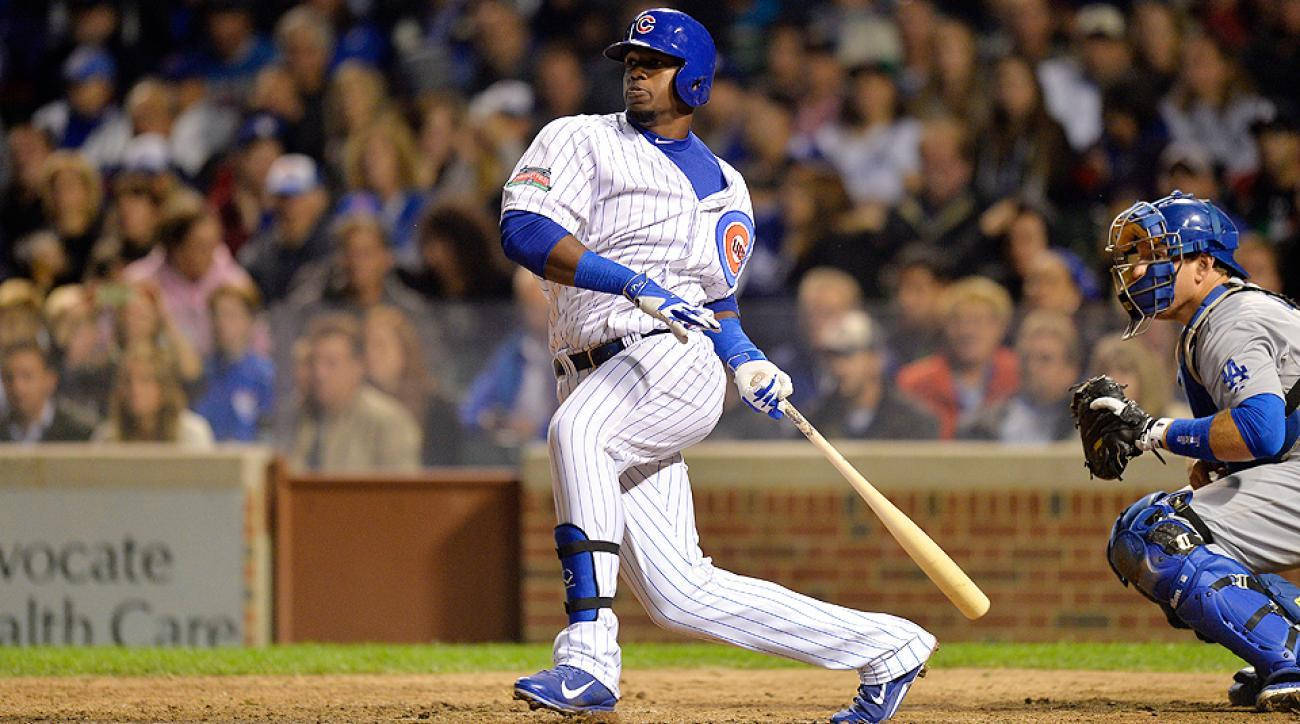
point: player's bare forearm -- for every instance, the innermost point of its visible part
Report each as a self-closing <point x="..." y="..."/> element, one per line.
<point x="562" y="262"/>
<point x="1226" y="440"/>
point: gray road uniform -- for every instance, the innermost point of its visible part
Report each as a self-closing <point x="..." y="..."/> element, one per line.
<point x="1241" y="343"/>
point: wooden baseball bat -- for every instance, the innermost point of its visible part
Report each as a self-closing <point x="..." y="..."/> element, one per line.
<point x="942" y="570"/>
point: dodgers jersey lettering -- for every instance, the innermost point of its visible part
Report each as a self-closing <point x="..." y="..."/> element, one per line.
<point x="623" y="198"/>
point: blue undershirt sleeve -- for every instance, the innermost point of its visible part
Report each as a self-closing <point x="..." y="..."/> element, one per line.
<point x="731" y="343"/>
<point x="1261" y="420"/>
<point x="528" y="238"/>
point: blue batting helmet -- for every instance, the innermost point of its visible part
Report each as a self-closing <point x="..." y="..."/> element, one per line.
<point x="673" y="32"/>
<point x="1157" y="234"/>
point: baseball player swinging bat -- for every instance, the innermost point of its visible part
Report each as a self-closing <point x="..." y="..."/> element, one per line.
<point x="941" y="569"/>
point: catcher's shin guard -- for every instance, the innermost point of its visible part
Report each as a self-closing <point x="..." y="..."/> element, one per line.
<point x="1159" y="546"/>
<point x="577" y="557"/>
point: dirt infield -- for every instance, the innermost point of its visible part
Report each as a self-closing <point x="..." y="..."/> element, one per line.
<point x="946" y="695"/>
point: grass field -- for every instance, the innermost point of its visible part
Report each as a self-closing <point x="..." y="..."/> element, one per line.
<point x="469" y="658"/>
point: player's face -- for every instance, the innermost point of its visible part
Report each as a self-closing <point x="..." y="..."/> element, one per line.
<point x="648" y="81"/>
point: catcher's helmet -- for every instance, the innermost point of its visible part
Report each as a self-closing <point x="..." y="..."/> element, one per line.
<point x="1157" y="234"/>
<point x="674" y="33"/>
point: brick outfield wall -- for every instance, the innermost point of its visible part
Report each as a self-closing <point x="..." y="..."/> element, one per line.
<point x="1027" y="525"/>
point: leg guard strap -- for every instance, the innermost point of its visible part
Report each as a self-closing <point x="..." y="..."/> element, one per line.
<point x="577" y="558"/>
<point x="587" y="604"/>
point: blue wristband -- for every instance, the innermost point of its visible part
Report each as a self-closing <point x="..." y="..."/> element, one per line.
<point x="599" y="274"/>
<point x="732" y="344"/>
<point x="1190" y="437"/>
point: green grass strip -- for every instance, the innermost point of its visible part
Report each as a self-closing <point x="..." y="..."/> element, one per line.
<point x="447" y="658"/>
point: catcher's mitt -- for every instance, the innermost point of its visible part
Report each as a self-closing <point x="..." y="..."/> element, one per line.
<point x="1110" y="434"/>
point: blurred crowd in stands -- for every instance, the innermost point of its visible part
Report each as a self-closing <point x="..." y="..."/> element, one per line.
<point x="223" y="220"/>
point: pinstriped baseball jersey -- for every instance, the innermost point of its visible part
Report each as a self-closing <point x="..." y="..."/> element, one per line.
<point x="607" y="184"/>
<point x="616" y="439"/>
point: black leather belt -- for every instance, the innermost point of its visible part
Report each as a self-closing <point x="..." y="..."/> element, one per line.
<point x="598" y="355"/>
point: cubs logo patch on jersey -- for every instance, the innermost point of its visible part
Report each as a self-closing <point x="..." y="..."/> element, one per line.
<point x="735" y="234"/>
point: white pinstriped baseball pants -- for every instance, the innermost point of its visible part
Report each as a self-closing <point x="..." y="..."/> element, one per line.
<point x="618" y="474"/>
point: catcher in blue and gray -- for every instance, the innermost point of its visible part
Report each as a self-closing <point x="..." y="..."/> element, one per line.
<point x="1208" y="554"/>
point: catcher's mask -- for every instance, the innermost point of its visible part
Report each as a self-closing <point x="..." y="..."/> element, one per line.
<point x="1143" y="251"/>
<point x="1148" y="238"/>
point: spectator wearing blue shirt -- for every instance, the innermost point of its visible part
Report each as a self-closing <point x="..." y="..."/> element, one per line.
<point x="238" y="396"/>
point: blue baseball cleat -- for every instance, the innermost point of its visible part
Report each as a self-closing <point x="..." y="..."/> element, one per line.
<point x="878" y="702"/>
<point x="566" y="689"/>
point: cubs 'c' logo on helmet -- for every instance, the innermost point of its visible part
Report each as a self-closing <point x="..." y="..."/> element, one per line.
<point x="645" y="23"/>
<point x="735" y="234"/>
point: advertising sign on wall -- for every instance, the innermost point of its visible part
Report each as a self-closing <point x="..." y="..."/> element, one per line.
<point x="127" y="550"/>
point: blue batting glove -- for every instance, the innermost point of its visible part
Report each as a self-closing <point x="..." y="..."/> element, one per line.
<point x="680" y="316"/>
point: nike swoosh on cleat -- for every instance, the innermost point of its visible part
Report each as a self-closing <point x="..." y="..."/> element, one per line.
<point x="571" y="693"/>
<point x="879" y="700"/>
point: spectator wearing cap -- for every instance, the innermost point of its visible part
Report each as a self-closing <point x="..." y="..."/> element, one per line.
<point x="235" y="53"/>
<point x="298" y="234"/>
<point x="1050" y="360"/>
<point x="1073" y="84"/>
<point x="502" y="118"/>
<point x="973" y="373"/>
<point x="187" y="265"/>
<point x="72" y="195"/>
<point x="86" y="119"/>
<point x="1187" y="167"/>
<point x="1213" y="107"/>
<point x="148" y="158"/>
<point x="35" y="414"/>
<point x="347" y="425"/>
<point x="875" y="147"/>
<point x="380" y="162"/>
<point x="238" y="381"/>
<point x="862" y="405"/>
